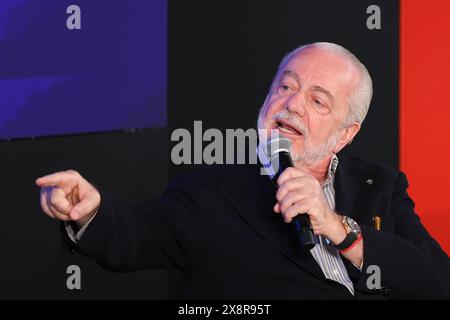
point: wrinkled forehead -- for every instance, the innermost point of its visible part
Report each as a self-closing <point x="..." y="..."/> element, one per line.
<point x="324" y="68"/>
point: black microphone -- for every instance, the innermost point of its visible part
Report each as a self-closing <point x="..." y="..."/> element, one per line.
<point x="279" y="152"/>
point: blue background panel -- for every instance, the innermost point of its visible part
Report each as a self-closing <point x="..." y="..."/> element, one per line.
<point x="109" y="75"/>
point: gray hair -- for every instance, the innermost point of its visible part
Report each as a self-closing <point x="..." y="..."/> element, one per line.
<point x="361" y="95"/>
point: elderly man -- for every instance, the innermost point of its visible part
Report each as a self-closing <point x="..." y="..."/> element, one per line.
<point x="228" y="231"/>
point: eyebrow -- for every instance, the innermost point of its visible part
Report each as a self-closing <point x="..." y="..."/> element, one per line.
<point x="324" y="91"/>
<point x="291" y="74"/>
<point x="294" y="75"/>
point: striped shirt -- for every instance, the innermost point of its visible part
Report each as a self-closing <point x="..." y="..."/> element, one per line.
<point x="326" y="256"/>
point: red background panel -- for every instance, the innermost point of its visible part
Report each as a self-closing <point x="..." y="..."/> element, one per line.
<point x="425" y="111"/>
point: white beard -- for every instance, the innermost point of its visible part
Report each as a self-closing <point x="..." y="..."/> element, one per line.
<point x="314" y="154"/>
<point x="311" y="154"/>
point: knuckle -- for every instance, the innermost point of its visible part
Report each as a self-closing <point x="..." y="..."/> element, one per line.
<point x="96" y="197"/>
<point x="278" y="197"/>
<point x="289" y="183"/>
<point x="290" y="170"/>
<point x="309" y="180"/>
<point x="283" y="206"/>
<point x="73" y="173"/>
<point x="279" y="194"/>
<point x="288" y="199"/>
<point x="288" y="186"/>
<point x="280" y="179"/>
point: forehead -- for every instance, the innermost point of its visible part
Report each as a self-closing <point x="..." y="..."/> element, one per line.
<point x="320" y="67"/>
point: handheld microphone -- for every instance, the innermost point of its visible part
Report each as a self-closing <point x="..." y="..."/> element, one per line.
<point x="279" y="154"/>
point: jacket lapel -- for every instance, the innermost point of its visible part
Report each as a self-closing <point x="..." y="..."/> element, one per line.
<point x="253" y="197"/>
<point x="354" y="188"/>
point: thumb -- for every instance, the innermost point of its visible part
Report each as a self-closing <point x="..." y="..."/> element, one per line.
<point x="86" y="207"/>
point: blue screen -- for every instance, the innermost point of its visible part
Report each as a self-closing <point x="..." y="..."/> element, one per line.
<point x="100" y="68"/>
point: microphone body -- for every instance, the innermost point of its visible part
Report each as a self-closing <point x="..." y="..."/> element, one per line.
<point x="281" y="160"/>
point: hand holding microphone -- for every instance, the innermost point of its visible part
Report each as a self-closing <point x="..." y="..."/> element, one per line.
<point x="300" y="197"/>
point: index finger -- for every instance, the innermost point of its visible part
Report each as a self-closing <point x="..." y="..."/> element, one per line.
<point x="58" y="179"/>
<point x="290" y="173"/>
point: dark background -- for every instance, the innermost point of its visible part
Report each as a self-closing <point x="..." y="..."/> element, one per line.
<point x="222" y="58"/>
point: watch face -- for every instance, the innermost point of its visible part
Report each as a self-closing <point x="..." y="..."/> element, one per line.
<point x="353" y="225"/>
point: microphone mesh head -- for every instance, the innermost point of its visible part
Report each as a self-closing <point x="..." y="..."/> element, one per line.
<point x="277" y="145"/>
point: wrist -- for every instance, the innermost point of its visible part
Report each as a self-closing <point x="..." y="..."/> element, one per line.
<point x="354" y="244"/>
<point x="353" y="235"/>
<point x="335" y="231"/>
<point x="80" y="223"/>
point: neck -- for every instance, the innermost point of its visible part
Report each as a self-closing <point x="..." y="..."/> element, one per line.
<point x="318" y="169"/>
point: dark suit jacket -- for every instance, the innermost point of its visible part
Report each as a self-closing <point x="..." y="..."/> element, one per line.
<point x="218" y="228"/>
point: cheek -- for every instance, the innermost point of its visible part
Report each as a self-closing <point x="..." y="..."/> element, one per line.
<point x="273" y="106"/>
<point x="319" y="128"/>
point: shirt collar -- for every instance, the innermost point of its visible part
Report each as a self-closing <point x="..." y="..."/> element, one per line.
<point x="270" y="172"/>
<point x="331" y="170"/>
<point x="333" y="166"/>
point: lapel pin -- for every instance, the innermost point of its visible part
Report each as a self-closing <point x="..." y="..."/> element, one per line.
<point x="369" y="181"/>
<point x="377" y="222"/>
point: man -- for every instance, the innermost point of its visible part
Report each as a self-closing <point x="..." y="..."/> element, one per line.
<point x="228" y="231"/>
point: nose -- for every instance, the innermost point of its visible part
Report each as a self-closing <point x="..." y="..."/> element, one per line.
<point x="296" y="103"/>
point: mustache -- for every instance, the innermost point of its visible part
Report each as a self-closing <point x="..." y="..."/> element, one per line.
<point x="293" y="119"/>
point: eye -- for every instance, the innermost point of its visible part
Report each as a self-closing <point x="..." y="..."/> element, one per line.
<point x="318" y="103"/>
<point x="320" y="106"/>
<point x="284" y="88"/>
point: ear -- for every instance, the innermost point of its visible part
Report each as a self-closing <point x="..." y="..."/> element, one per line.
<point x="347" y="136"/>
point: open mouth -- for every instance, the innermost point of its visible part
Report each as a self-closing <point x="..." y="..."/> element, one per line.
<point x="286" y="128"/>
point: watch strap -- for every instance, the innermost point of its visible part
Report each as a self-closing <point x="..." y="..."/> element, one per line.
<point x="347" y="242"/>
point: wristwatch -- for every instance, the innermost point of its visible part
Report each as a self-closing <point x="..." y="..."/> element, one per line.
<point x="353" y="234"/>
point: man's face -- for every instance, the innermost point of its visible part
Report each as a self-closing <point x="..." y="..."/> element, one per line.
<point x="309" y="102"/>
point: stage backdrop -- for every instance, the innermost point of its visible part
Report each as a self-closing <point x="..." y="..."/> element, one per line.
<point x="222" y="58"/>
<point x="98" y="66"/>
<point x="425" y="110"/>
